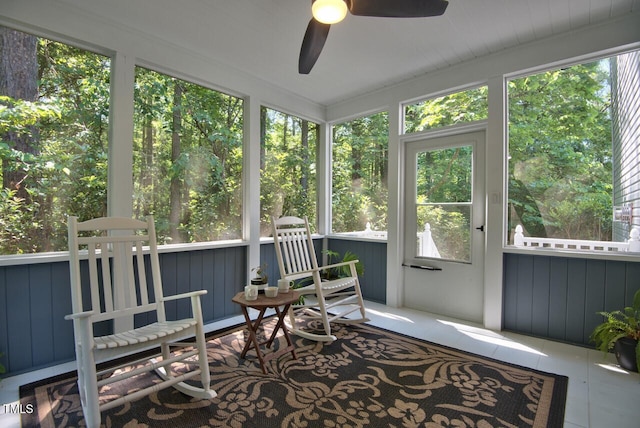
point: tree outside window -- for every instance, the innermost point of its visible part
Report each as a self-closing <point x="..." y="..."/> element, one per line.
<point x="187" y="162"/>
<point x="360" y="166"/>
<point x="459" y="107"/>
<point x="287" y="168"/>
<point x="560" y="153"/>
<point x="54" y="114"/>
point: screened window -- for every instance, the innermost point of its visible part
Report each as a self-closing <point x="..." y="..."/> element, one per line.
<point x="187" y="162"/>
<point x="287" y="168"/>
<point x="54" y="113"/>
<point x="359" y="174"/>
<point x="460" y="107"/>
<point x="569" y="131"/>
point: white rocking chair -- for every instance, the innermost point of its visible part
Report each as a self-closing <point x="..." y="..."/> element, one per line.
<point x="117" y="290"/>
<point x="325" y="300"/>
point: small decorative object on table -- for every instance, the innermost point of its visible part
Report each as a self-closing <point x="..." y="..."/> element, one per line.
<point x="251" y="292"/>
<point x="284" y="285"/>
<point x="271" y="291"/>
<point x="261" y="275"/>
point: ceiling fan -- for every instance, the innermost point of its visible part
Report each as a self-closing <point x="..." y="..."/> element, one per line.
<point x="327" y="12"/>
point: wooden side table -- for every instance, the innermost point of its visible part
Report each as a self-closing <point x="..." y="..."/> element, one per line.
<point x="262" y="303"/>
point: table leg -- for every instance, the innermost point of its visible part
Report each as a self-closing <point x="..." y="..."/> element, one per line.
<point x="253" y="340"/>
<point x="280" y="325"/>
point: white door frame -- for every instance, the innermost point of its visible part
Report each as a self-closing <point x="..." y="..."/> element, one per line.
<point x="476" y="314"/>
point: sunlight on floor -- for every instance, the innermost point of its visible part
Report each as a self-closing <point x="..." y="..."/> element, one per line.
<point x="613" y="368"/>
<point x="505" y="342"/>
<point x="492" y="337"/>
<point x="390" y="316"/>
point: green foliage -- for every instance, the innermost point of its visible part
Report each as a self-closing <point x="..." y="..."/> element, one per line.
<point x="341" y="271"/>
<point x="58" y="144"/>
<point x="450" y="229"/>
<point x="360" y="172"/>
<point x="288" y="183"/>
<point x="187" y="161"/>
<point x="459" y="107"/>
<point x="560" y="171"/>
<point x="2" y="369"/>
<point x="618" y="324"/>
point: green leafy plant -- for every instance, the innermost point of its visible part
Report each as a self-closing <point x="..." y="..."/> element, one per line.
<point x="332" y="273"/>
<point x="341" y="271"/>
<point x="617" y="325"/>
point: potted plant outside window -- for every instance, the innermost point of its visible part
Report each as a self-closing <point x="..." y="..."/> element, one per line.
<point x="620" y="331"/>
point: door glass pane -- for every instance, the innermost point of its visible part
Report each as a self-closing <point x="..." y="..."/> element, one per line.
<point x="443" y="203"/>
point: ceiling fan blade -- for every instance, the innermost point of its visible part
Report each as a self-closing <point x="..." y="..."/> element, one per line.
<point x="312" y="45"/>
<point x="397" y="8"/>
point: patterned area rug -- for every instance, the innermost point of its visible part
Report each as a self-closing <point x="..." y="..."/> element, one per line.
<point x="368" y="377"/>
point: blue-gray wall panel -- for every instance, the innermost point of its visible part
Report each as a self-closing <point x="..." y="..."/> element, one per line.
<point x="61" y="303"/>
<point x="615" y="274"/>
<point x="595" y="286"/>
<point x="557" y="297"/>
<point x="576" y="296"/>
<point x="524" y="294"/>
<point x="632" y="282"/>
<point x="18" y="325"/>
<point x="40" y="304"/>
<point x="540" y="297"/>
<point x="35" y="298"/>
<point x="373" y="256"/>
<point x="565" y="294"/>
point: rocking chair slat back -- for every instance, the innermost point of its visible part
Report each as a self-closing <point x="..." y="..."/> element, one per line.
<point x="296" y="252"/>
<point x="116" y="283"/>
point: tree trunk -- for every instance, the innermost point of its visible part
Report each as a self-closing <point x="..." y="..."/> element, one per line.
<point x="263" y="136"/>
<point x="304" y="176"/>
<point x="175" y="194"/>
<point x="18" y="80"/>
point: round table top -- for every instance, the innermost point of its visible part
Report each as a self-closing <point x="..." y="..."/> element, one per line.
<point x="267" y="302"/>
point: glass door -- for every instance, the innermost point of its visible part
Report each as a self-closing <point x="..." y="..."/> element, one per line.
<point x="444" y="221"/>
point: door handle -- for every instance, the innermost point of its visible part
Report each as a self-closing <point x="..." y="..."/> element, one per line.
<point x="433" y="268"/>
<point x="481" y="228"/>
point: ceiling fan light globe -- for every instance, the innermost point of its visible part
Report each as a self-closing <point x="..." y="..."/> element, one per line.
<point x="329" y="11"/>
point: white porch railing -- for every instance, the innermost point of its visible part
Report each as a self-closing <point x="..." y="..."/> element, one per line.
<point x="632" y="245"/>
<point x="426" y="245"/>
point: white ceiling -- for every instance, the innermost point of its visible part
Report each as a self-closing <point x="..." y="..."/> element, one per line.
<point x="263" y="37"/>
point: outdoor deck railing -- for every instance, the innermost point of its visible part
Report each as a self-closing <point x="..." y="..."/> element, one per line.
<point x="632" y="245"/>
<point x="425" y="244"/>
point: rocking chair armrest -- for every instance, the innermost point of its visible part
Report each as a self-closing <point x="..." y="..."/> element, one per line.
<point x="184" y="295"/>
<point x="79" y="315"/>
<point x="339" y="264"/>
<point x="301" y="274"/>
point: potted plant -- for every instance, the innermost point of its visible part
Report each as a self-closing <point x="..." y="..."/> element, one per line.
<point x="333" y="273"/>
<point x="620" y="331"/>
<point x="341" y="271"/>
<point x="261" y="275"/>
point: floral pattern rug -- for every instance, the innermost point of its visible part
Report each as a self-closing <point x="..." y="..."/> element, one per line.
<point x="368" y="377"/>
